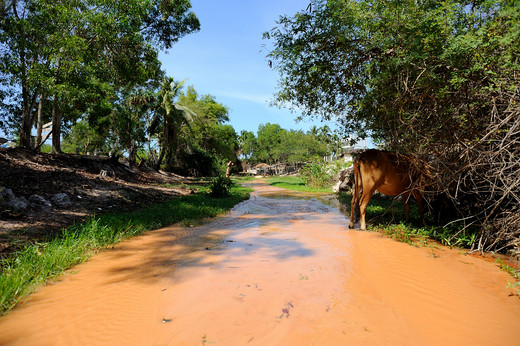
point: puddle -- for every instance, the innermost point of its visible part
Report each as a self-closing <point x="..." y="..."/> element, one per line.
<point x="280" y="268"/>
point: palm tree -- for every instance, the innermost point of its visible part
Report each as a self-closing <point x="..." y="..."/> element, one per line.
<point x="314" y="131"/>
<point x="167" y="118"/>
<point x="174" y="115"/>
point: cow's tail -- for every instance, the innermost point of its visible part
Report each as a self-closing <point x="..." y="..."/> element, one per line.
<point x="356" y="193"/>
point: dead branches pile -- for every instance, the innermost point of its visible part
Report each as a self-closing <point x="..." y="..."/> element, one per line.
<point x="494" y="174"/>
<point x="482" y="178"/>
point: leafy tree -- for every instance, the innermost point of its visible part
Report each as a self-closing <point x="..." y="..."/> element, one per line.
<point x="275" y="144"/>
<point x="205" y="105"/>
<point x="437" y="79"/>
<point x="247" y="145"/>
<point x="208" y="139"/>
<point x="67" y="49"/>
<point x="225" y="142"/>
<point x="324" y="136"/>
<point x="296" y="146"/>
<point x="129" y="126"/>
<point x="188" y="128"/>
<point x="269" y="139"/>
<point x="83" y="139"/>
<point x="208" y="129"/>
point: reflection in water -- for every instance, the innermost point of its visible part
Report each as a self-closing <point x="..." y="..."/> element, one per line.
<point x="280" y="268"/>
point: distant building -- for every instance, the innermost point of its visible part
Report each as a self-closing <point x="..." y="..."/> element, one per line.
<point x="348" y="149"/>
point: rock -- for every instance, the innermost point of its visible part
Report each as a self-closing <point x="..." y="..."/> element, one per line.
<point x="6" y="194"/>
<point x="39" y="203"/>
<point x="345" y="180"/>
<point x="11" y="203"/>
<point x="17" y="204"/>
<point x="61" y="200"/>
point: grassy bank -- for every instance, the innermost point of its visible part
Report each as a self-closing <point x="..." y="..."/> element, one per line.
<point x="387" y="216"/>
<point x="295" y="183"/>
<point x="38" y="263"/>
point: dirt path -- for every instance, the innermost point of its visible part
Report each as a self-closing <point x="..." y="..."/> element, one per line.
<point x="275" y="271"/>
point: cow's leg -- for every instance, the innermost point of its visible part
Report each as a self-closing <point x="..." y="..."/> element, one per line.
<point x="363" y="203"/>
<point x="356" y="193"/>
<point x="420" y="205"/>
<point x="354" y="209"/>
<point x="406" y="206"/>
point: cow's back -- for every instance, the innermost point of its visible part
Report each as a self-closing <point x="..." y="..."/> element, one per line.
<point x="384" y="171"/>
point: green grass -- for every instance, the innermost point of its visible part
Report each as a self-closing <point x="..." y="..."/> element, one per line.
<point x="38" y="263"/>
<point x="508" y="269"/>
<point x="243" y="178"/>
<point x="295" y="183"/>
<point x="387" y="216"/>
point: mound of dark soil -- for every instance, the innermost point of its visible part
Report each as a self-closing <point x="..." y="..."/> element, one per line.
<point x="94" y="185"/>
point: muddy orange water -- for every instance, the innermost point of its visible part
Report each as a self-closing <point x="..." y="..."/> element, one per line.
<point x="276" y="270"/>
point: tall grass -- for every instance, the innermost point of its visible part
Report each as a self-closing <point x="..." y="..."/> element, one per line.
<point x="38" y="263"/>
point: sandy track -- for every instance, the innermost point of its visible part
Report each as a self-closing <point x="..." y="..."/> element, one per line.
<point x="275" y="271"/>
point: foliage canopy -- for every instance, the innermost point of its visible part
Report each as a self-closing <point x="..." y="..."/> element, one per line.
<point x="71" y="57"/>
<point x="439" y="79"/>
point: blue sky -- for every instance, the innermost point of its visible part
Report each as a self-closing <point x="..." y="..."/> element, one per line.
<point x="226" y="59"/>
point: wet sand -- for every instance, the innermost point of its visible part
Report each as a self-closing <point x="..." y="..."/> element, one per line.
<point x="276" y="270"/>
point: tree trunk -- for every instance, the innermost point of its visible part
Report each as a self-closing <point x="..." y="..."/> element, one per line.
<point x="25" y="129"/>
<point x="230" y="164"/>
<point x="170" y="154"/>
<point x="159" y="159"/>
<point x="39" y="125"/>
<point x="56" y="127"/>
<point x="132" y="152"/>
<point x="170" y="138"/>
<point x="27" y="120"/>
<point x="85" y="150"/>
<point x="162" y="149"/>
<point x="163" y="145"/>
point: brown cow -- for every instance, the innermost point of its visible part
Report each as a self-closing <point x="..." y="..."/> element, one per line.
<point x="388" y="173"/>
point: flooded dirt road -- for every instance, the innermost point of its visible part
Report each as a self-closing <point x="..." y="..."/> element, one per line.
<point x="277" y="270"/>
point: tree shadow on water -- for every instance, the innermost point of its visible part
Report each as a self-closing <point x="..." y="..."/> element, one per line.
<point x="161" y="253"/>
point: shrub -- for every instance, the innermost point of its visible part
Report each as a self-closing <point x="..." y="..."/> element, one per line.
<point x="321" y="175"/>
<point x="220" y="187"/>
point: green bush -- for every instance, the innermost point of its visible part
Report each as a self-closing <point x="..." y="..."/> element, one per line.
<point x="220" y="187"/>
<point x="321" y="175"/>
<point x="199" y="163"/>
<point x="315" y="175"/>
